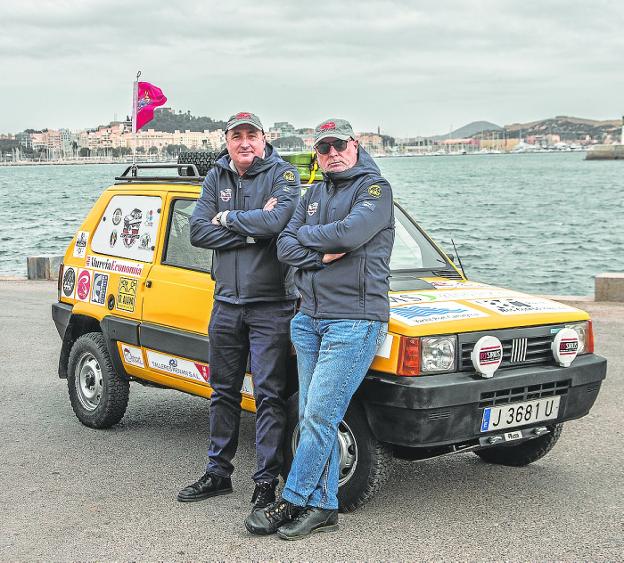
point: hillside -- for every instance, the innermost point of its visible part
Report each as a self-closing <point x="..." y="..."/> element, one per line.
<point x="469" y="130"/>
<point x="568" y="128"/>
<point x="166" y="119"/>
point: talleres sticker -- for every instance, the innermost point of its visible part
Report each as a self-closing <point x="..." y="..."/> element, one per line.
<point x="132" y="355"/>
<point x="83" y="285"/>
<point x="178" y="366"/>
<point x="375" y="191"/>
<point x="126" y="294"/>
<point x="289" y="176"/>
<point x="69" y="282"/>
<point x="80" y="247"/>
<point x="487" y="355"/>
<point x="426" y="313"/>
<point x="565" y="346"/>
<point x="100" y="285"/>
<point x="522" y="306"/>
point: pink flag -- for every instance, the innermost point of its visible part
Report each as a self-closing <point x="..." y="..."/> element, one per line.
<point x="146" y="98"/>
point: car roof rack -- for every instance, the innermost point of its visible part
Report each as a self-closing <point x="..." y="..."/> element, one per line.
<point x="187" y="174"/>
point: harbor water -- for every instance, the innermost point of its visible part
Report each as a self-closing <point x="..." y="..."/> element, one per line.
<point x="542" y="223"/>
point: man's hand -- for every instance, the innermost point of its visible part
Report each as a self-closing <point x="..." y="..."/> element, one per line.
<point x="270" y="205"/>
<point x="215" y="219"/>
<point x="328" y="258"/>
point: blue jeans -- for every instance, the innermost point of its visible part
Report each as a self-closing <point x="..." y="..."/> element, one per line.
<point x="333" y="357"/>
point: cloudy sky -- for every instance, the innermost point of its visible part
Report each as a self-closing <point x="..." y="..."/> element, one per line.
<point x="409" y="67"/>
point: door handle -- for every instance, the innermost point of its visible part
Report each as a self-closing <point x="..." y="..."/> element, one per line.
<point x="148" y="283"/>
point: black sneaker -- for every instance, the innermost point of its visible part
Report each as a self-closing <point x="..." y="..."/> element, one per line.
<point x="309" y="521"/>
<point x="268" y="520"/>
<point x="208" y="485"/>
<point x="264" y="494"/>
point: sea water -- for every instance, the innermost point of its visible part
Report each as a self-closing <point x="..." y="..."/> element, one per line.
<point x="542" y="223"/>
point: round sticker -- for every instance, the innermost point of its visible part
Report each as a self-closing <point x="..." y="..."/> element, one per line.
<point x="565" y="346"/>
<point x="84" y="285"/>
<point x="69" y="281"/>
<point x="487" y="355"/>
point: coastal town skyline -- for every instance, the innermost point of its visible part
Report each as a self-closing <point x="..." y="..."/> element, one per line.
<point x="410" y="68"/>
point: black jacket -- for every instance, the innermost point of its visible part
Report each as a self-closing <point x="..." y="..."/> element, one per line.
<point x="247" y="272"/>
<point x="352" y="212"/>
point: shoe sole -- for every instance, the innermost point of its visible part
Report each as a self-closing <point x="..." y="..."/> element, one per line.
<point x="328" y="528"/>
<point x="205" y="496"/>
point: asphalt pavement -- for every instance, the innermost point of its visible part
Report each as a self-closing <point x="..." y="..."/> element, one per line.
<point x="68" y="492"/>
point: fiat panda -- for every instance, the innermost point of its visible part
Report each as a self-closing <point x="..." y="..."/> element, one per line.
<point x="465" y="367"/>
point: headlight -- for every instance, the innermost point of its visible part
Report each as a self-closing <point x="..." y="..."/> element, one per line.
<point x="584" y="333"/>
<point x="438" y="353"/>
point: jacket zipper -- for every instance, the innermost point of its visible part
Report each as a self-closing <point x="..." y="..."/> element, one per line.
<point x="236" y="206"/>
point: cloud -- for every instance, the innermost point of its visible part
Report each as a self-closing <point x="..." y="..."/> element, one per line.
<point x="413" y="67"/>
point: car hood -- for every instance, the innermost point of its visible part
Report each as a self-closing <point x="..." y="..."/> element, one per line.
<point x="454" y="306"/>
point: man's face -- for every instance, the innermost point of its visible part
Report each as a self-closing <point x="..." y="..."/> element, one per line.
<point x="244" y="143"/>
<point x="335" y="161"/>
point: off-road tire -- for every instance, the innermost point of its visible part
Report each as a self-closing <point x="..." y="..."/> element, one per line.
<point x="524" y="453"/>
<point x="374" y="460"/>
<point x="113" y="399"/>
<point x="203" y="160"/>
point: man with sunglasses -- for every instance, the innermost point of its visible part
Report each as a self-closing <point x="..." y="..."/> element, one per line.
<point x="340" y="239"/>
<point x="247" y="199"/>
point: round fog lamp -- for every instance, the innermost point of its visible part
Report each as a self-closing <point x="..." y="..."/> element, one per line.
<point x="487" y="355"/>
<point x="565" y="346"/>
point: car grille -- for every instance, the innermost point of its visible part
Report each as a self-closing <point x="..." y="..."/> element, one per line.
<point x="522" y="346"/>
<point x="520" y="394"/>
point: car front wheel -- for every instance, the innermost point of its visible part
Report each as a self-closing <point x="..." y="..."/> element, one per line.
<point x="98" y="396"/>
<point x="365" y="463"/>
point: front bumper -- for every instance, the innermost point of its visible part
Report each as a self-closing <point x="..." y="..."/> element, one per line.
<point x="430" y="411"/>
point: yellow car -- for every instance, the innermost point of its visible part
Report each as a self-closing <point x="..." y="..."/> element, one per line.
<point x="465" y="366"/>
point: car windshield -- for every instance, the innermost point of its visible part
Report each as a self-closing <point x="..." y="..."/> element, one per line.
<point x="413" y="250"/>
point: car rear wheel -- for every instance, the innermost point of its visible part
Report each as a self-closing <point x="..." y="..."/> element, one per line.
<point x="524" y="453"/>
<point x="365" y="463"/>
<point x="98" y="396"/>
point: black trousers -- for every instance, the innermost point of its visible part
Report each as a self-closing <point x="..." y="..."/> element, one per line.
<point x="261" y="331"/>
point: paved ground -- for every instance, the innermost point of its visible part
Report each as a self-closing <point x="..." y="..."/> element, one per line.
<point x="71" y="493"/>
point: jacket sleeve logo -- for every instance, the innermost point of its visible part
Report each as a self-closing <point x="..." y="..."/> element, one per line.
<point x="289" y="176"/>
<point x="375" y="191"/>
<point x="225" y="195"/>
<point x="312" y="208"/>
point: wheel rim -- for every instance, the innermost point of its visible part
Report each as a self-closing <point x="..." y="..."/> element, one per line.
<point x="88" y="378"/>
<point x="348" y="451"/>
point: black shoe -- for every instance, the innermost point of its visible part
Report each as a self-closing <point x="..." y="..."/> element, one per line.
<point x="268" y="520"/>
<point x="208" y="485"/>
<point x="309" y="521"/>
<point x="264" y="494"/>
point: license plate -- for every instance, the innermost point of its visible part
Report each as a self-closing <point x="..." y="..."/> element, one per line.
<point x="519" y="414"/>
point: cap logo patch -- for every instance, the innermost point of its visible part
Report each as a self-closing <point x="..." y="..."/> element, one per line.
<point x="327" y="126"/>
<point x="289" y="176"/>
<point x="242" y="114"/>
<point x="312" y="208"/>
<point x="375" y="191"/>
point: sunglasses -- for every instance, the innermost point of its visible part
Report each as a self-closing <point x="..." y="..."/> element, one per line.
<point x="339" y="145"/>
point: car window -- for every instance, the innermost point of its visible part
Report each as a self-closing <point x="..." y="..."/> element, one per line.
<point x="412" y="249"/>
<point x="129" y="227"/>
<point x="179" y="251"/>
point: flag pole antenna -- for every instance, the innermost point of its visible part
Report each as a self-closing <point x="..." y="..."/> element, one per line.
<point x="135" y="95"/>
